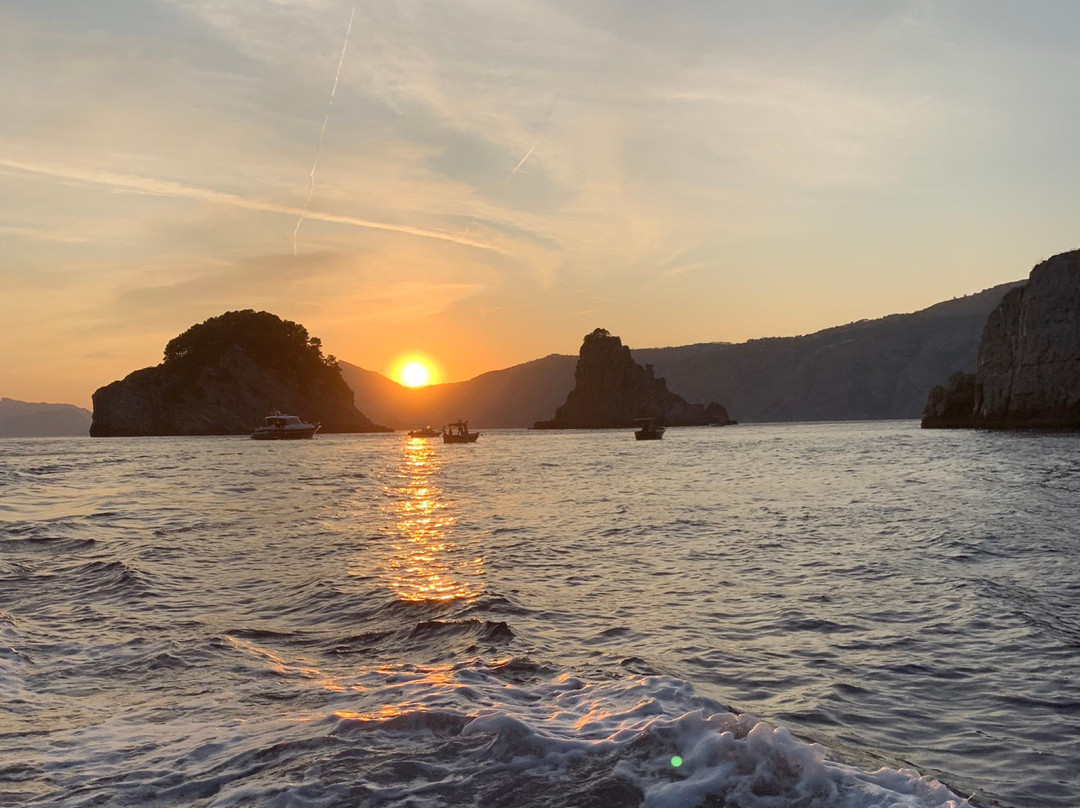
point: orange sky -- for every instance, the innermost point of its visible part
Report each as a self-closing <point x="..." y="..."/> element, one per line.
<point x="493" y="181"/>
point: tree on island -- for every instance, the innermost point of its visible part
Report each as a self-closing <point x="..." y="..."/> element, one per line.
<point x="224" y="375"/>
<point x="265" y="337"/>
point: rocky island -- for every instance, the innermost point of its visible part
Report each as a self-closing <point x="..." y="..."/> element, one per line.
<point x="612" y="390"/>
<point x="223" y="376"/>
<point x="1028" y="371"/>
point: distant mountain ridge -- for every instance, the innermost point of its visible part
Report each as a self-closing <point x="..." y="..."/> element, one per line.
<point x="867" y="370"/>
<point x="25" y="419"/>
<point x="513" y="397"/>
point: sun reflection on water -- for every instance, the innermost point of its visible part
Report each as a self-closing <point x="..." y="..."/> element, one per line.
<point x="426" y="565"/>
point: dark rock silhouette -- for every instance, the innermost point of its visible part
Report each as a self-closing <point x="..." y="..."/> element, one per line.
<point x="223" y="376"/>
<point x="22" y="419"/>
<point x="871" y="369"/>
<point x="953" y="404"/>
<point x="1028" y="371"/>
<point x="612" y="390"/>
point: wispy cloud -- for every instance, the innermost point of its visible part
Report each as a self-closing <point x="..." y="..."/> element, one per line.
<point x="41" y="234"/>
<point x="403" y="301"/>
<point x="322" y="131"/>
<point x="521" y="162"/>
<point x="149" y="186"/>
<point x="686" y="156"/>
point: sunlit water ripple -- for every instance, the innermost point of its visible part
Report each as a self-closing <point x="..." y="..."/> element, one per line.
<point x="543" y="619"/>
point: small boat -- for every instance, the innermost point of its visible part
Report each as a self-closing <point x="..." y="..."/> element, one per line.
<point x="458" y="432"/>
<point x="284" y="427"/>
<point x="649" y="430"/>
<point x="427" y="432"/>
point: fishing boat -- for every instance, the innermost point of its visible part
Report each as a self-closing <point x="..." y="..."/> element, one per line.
<point x="284" y="427"/>
<point x="649" y="430"/>
<point x="458" y="432"/>
<point x="427" y="432"/>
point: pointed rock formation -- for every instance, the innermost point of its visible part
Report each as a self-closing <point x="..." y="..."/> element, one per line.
<point x="612" y="390"/>
<point x="223" y="376"/>
<point x="1028" y="371"/>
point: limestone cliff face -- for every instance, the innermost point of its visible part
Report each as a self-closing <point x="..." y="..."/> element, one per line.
<point x="612" y="390"/>
<point x="226" y="379"/>
<point x="1028" y="371"/>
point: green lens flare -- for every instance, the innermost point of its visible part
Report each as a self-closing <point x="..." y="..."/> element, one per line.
<point x="676" y="761"/>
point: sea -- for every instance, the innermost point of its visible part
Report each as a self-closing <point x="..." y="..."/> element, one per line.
<point x="836" y="615"/>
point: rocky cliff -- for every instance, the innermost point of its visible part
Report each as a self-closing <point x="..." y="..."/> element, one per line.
<point x="612" y="390"/>
<point x="223" y="376"/>
<point x="1028" y="370"/>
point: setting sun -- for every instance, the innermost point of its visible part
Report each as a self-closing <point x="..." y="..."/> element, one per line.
<point x="414" y="374"/>
<point x="415" y="370"/>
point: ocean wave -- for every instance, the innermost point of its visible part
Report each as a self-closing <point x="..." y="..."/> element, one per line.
<point x="624" y="743"/>
<point x="105" y="580"/>
<point x="48" y="544"/>
<point x="477" y="733"/>
<point x="507" y="731"/>
<point x="648" y="741"/>
<point x="207" y="625"/>
<point x="482" y="630"/>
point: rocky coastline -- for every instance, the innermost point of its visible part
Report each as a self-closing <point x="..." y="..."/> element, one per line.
<point x="1028" y="371"/>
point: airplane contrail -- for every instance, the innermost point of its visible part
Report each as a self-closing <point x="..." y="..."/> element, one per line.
<point x="322" y="132"/>
<point x="148" y="186"/>
<point x="521" y="163"/>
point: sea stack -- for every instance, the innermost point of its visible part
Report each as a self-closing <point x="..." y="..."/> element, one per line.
<point x="611" y="390"/>
<point x="223" y="376"/>
<point x="1028" y="371"/>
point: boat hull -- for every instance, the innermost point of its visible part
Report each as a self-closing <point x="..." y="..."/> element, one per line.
<point x="651" y="434"/>
<point x="284" y="434"/>
<point x="470" y="438"/>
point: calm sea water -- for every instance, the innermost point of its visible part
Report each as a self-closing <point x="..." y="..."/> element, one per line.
<point x="797" y="615"/>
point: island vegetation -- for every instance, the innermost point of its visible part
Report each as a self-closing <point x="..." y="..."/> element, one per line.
<point x="223" y="375"/>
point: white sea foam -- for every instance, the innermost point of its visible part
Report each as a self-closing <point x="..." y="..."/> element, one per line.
<point x="416" y="735"/>
<point x="633" y="729"/>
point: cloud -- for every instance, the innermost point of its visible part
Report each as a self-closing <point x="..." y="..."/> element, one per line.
<point x="645" y="149"/>
<point x="664" y="155"/>
<point x="128" y="183"/>
<point x="43" y="234"/>
<point x="401" y="301"/>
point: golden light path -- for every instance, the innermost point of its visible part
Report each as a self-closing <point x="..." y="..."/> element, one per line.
<point x="425" y="564"/>
<point x="418" y="560"/>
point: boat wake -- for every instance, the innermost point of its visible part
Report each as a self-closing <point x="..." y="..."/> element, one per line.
<point x="505" y="732"/>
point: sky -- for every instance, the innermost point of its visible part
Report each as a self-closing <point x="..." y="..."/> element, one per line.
<point x="483" y="183"/>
